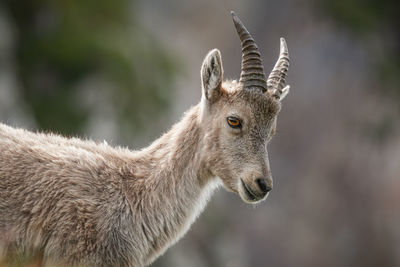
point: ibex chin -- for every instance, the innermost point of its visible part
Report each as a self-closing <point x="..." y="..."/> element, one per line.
<point x="81" y="203"/>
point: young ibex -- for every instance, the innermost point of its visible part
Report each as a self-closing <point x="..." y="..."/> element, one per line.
<point x="88" y="204"/>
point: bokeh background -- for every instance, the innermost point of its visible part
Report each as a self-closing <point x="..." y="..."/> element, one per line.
<point x="125" y="70"/>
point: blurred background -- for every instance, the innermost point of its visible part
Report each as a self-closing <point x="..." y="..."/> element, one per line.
<point x="125" y="70"/>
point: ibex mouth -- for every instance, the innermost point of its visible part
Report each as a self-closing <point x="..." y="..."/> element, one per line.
<point x="249" y="192"/>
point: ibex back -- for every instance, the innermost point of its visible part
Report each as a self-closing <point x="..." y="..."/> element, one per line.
<point x="82" y="203"/>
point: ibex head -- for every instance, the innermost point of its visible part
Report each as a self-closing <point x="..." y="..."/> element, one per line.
<point x="239" y="118"/>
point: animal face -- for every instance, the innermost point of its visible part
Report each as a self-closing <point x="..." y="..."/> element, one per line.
<point x="239" y="118"/>
<point x="239" y="124"/>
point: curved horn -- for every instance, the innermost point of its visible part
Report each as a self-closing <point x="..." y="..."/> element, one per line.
<point x="252" y="74"/>
<point x="276" y="80"/>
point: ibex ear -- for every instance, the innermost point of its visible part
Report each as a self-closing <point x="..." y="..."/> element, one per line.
<point x="211" y="74"/>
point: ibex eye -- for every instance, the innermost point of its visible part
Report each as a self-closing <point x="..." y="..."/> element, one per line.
<point x="234" y="122"/>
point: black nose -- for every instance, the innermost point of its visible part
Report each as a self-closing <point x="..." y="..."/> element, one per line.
<point x="264" y="185"/>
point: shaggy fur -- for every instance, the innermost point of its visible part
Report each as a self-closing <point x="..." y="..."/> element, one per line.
<point x="88" y="204"/>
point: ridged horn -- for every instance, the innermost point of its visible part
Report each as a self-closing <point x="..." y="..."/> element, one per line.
<point x="252" y="75"/>
<point x="276" y="80"/>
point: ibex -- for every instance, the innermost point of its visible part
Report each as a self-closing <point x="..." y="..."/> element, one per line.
<point x="82" y="203"/>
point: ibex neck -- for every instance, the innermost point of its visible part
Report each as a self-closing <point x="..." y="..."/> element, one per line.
<point x="173" y="183"/>
<point x="177" y="153"/>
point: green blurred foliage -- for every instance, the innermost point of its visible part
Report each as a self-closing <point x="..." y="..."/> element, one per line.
<point x="366" y="20"/>
<point x="61" y="43"/>
<point x="361" y="16"/>
<point x="380" y="18"/>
